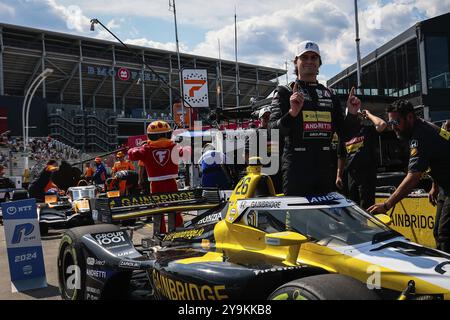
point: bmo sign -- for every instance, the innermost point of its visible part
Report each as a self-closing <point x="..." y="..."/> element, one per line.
<point x="124" y="74"/>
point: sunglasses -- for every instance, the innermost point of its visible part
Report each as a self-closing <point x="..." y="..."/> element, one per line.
<point x="393" y="122"/>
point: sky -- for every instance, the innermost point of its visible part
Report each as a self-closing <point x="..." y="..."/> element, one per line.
<point x="269" y="31"/>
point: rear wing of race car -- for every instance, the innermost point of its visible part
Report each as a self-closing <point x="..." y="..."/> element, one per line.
<point x="108" y="210"/>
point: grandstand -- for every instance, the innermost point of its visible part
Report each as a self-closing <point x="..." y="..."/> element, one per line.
<point x="87" y="105"/>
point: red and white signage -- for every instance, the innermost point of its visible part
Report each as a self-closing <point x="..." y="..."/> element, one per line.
<point x="135" y="141"/>
<point x="195" y="87"/>
<point x="124" y="74"/>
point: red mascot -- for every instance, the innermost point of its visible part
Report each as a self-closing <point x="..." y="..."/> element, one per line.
<point x="156" y="156"/>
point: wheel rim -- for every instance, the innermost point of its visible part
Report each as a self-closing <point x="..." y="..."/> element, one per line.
<point x="290" y="295"/>
<point x="67" y="261"/>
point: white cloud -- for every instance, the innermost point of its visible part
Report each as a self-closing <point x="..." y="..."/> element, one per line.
<point x="8" y="10"/>
<point x="433" y="8"/>
<point x="268" y="31"/>
<point x="72" y="14"/>
<point x="170" y="46"/>
<point x="272" y="38"/>
<point x="101" y="32"/>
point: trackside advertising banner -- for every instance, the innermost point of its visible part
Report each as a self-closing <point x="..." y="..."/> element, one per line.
<point x="135" y="141"/>
<point x="24" y="247"/>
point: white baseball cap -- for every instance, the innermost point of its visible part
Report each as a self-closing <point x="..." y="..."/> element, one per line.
<point x="308" y="46"/>
<point x="263" y="111"/>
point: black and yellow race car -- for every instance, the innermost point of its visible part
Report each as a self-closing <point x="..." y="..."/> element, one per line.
<point x="66" y="211"/>
<point x="250" y="245"/>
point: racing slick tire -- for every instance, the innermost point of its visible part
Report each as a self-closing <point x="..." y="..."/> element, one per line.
<point x="43" y="229"/>
<point x="72" y="262"/>
<point x="19" y="195"/>
<point x="129" y="223"/>
<point x="324" y="287"/>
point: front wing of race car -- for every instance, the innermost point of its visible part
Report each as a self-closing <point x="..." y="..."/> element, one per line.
<point x="110" y="210"/>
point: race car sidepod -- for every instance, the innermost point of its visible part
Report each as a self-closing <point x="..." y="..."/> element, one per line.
<point x="93" y="260"/>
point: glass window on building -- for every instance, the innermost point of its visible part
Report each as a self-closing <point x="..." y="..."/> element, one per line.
<point x="341" y="86"/>
<point x="369" y="80"/>
<point x="400" y="63"/>
<point x="352" y="81"/>
<point x="413" y="66"/>
<point x="382" y="82"/>
<point x="391" y="88"/>
<point x="437" y="62"/>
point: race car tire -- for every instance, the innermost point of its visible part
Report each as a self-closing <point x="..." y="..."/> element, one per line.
<point x="43" y="228"/>
<point x="19" y="195"/>
<point x="129" y="223"/>
<point x="72" y="262"/>
<point x="324" y="287"/>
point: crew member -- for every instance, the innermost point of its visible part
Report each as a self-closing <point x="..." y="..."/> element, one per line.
<point x="357" y="157"/>
<point x="429" y="148"/>
<point x="88" y="171"/>
<point x="307" y="114"/>
<point x="122" y="164"/>
<point x="126" y="181"/>
<point x="99" y="176"/>
<point x="273" y="147"/>
<point x="436" y="195"/>
<point x="43" y="183"/>
<point x="157" y="158"/>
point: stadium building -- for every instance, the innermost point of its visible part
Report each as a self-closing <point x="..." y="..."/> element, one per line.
<point x="413" y="66"/>
<point x="99" y="94"/>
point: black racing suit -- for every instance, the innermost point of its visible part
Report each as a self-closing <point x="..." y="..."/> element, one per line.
<point x="306" y="156"/>
<point x="430" y="148"/>
<point x="357" y="147"/>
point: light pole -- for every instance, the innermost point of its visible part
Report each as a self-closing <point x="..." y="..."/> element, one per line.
<point x="141" y="58"/>
<point x="173" y="6"/>
<point x="358" y="54"/>
<point x="26" y="109"/>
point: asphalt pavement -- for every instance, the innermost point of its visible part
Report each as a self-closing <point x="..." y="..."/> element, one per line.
<point x="50" y="244"/>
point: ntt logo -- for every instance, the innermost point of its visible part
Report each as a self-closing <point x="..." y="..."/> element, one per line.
<point x="11" y="211"/>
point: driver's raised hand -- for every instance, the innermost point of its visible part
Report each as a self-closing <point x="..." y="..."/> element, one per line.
<point x="296" y="102"/>
<point x="353" y="102"/>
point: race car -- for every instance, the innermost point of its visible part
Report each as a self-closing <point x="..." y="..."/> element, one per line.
<point x="10" y="192"/>
<point x="66" y="211"/>
<point x="6" y="188"/>
<point x="255" y="245"/>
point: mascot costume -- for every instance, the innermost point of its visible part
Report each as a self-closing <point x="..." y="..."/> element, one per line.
<point x="156" y="156"/>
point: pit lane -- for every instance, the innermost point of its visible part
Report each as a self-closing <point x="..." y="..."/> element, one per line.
<point x="50" y="245"/>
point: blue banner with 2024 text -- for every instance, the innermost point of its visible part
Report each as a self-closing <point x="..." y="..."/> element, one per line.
<point x="23" y="243"/>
